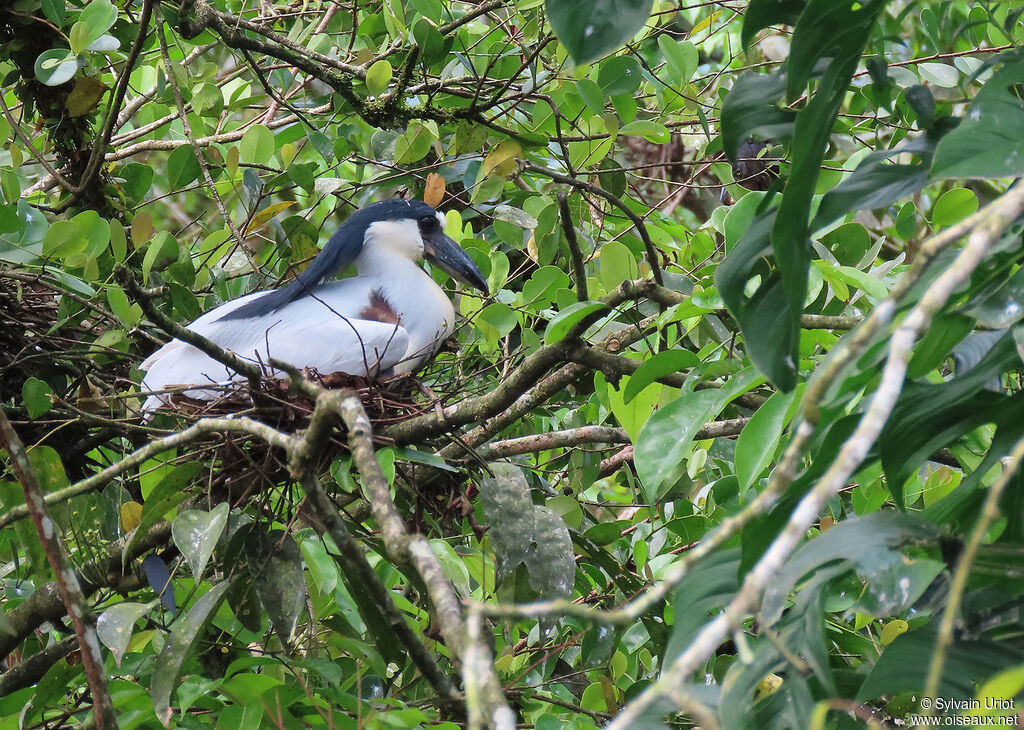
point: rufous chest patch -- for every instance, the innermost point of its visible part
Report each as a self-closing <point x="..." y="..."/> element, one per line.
<point x="379" y="310"/>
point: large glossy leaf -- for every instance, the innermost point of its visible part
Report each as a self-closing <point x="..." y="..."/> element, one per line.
<point x="196" y="534"/>
<point x="549" y="561"/>
<point x="903" y="666"/>
<point x="275" y="564"/>
<point x="178" y="647"/>
<point x="667" y="438"/>
<point x="876" y="183"/>
<point x="868" y="545"/>
<point x="988" y="142"/>
<point x="590" y="29"/>
<point x="508" y="509"/>
<point x="757" y="443"/>
<point x="115" y="625"/>
<point x="709" y="586"/>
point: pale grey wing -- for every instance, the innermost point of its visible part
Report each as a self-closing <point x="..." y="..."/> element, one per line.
<point x="306" y="333"/>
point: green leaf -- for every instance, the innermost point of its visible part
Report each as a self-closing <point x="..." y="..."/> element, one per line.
<point x="618" y="264"/>
<point x="36" y="394"/>
<point x="953" y="206"/>
<point x="115" y="625"/>
<point x="667" y="439"/>
<point x="566" y="319"/>
<point x="98" y="15"/>
<point x="257" y="145"/>
<point x="591" y="29"/>
<point x="663" y="363"/>
<point x="633" y="415"/>
<point x="129" y="314"/>
<point x="430" y="41"/>
<point x="182" y="167"/>
<point x="378" y="77"/>
<point x="178" y="647"/>
<point x="591" y="94"/>
<point x="987" y="143"/>
<point x="870" y="545"/>
<point x="508" y="510"/>
<point x="620" y="75"/>
<point x="681" y="57"/>
<point x="78" y="38"/>
<point x="275" y="565"/>
<point x="756" y="444"/>
<point x="196" y="534"/>
<point x="56" y="66"/>
<point x="651" y="131"/>
<point x="166" y="495"/>
<point x="549" y="558"/>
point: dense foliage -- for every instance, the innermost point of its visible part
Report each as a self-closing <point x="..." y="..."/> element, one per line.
<point x="732" y="442"/>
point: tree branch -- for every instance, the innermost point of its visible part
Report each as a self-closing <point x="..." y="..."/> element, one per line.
<point x="67" y="581"/>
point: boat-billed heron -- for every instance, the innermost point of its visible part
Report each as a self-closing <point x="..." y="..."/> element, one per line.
<point x="389" y="319"/>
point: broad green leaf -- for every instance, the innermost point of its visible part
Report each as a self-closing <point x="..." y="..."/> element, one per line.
<point x="939" y="74"/>
<point x="953" y="206"/>
<point x="508" y="509"/>
<point x="618" y="264"/>
<point x="592" y="95"/>
<point x="987" y="143"/>
<point x="36" y="394"/>
<point x="681" y="58"/>
<point x="178" y="647"/>
<point x="98" y="16"/>
<point x="651" y="131"/>
<point x="115" y="625"/>
<point x="756" y="444"/>
<point x="591" y="29"/>
<point x="257" y="145"/>
<point x="56" y="66"/>
<point x="566" y="319"/>
<point x="667" y="439"/>
<point x="658" y="366"/>
<point x="378" y="76"/>
<point x="182" y="166"/>
<point x="549" y="558"/>
<point x="196" y="534"/>
<point x="78" y="38"/>
<point x="633" y="414"/>
<point x="275" y="565"/>
<point x="619" y="75"/>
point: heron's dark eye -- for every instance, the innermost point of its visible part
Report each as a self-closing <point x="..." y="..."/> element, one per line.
<point x="428" y="224"/>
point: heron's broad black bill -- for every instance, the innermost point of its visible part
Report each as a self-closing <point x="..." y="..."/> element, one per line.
<point x="439" y="249"/>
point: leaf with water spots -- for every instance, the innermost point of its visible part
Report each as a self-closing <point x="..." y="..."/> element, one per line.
<point x="196" y="533"/>
<point x="178" y="646"/>
<point x="115" y="625"/>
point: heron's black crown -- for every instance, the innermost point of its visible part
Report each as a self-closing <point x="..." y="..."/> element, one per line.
<point x="342" y="249"/>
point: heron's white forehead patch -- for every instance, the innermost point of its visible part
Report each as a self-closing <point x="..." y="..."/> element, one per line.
<point x="441" y="220"/>
<point x="397" y="237"/>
